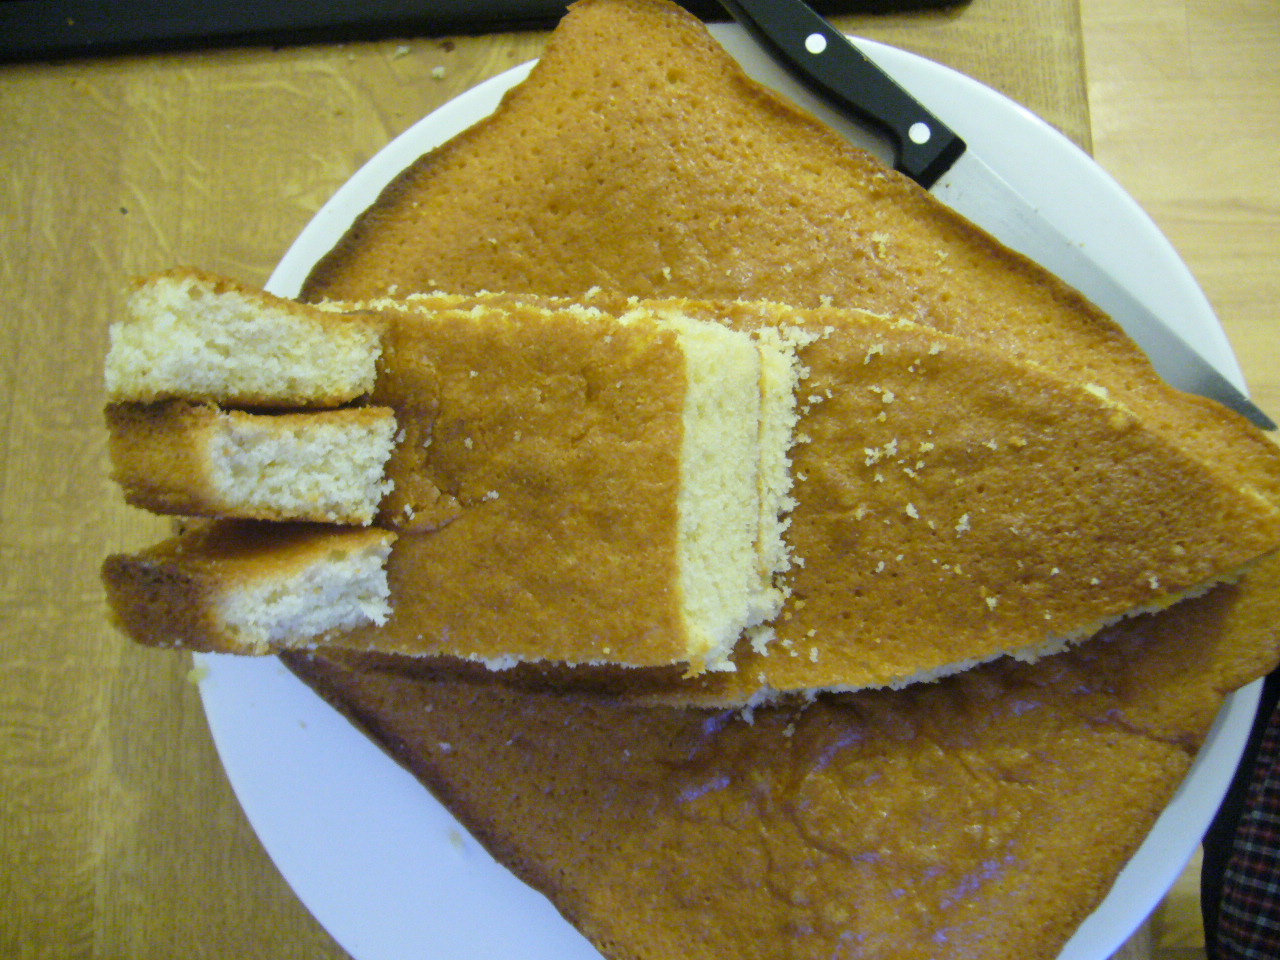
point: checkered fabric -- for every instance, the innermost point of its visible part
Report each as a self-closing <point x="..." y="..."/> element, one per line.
<point x="1249" y="911"/>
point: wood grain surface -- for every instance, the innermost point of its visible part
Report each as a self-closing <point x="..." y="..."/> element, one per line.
<point x="119" y="835"/>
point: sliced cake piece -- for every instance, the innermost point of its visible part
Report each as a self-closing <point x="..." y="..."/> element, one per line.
<point x="192" y="336"/>
<point x="198" y="460"/>
<point x="246" y="587"/>
<point x="570" y="485"/>
<point x="780" y="372"/>
<point x="574" y="485"/>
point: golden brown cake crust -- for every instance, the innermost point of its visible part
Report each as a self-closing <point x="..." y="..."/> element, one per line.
<point x="536" y="485"/>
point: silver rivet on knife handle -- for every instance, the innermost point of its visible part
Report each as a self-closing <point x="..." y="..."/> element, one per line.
<point x="824" y="59"/>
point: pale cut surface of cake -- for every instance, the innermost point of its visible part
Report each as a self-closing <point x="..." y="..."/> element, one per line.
<point x="246" y="587"/>
<point x="192" y="336"/>
<point x="198" y="460"/>
<point x="572" y="485"/>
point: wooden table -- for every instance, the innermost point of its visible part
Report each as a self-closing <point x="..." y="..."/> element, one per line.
<point x="119" y="836"/>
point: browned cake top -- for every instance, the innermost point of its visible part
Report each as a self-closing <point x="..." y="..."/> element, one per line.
<point x="536" y="483"/>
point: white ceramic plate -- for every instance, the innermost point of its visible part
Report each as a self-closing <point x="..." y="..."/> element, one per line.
<point x="382" y="865"/>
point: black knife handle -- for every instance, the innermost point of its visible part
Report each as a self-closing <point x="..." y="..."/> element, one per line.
<point x="823" y="58"/>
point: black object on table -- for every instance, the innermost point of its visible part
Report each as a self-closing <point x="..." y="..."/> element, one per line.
<point x="59" y="29"/>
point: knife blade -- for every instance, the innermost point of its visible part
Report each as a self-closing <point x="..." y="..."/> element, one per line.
<point x="936" y="157"/>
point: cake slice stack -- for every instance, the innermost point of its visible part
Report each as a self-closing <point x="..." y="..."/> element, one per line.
<point x="226" y="402"/>
<point x="564" y="483"/>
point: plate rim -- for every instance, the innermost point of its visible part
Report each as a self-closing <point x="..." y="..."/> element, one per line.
<point x="1100" y="935"/>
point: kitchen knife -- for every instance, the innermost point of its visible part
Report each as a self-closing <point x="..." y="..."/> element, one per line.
<point x="936" y="157"/>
